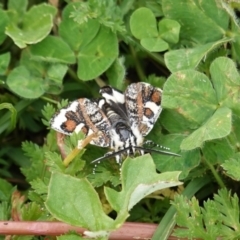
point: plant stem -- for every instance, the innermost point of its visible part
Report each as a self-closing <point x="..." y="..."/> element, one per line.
<point x="215" y="174"/>
<point x="81" y="145"/>
<point x="71" y="156"/>
<point x="73" y="74"/>
<point x="140" y="72"/>
<point x="128" y="231"/>
<point x="157" y="57"/>
<point x="100" y="82"/>
<point x="49" y="100"/>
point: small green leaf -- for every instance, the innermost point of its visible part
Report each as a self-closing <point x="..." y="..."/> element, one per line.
<point x="52" y="74"/>
<point x="236" y="47"/>
<point x="174" y="122"/>
<point x="154" y="44"/>
<point x="36" y="25"/>
<point x="190" y="58"/>
<point x="37" y="168"/>
<point x="116" y="73"/>
<point x="156" y="7"/>
<point x="236" y="129"/>
<point x="169" y="30"/>
<point x="97" y="56"/>
<point x="189" y="92"/>
<point x="13" y="111"/>
<point x="5" y="118"/>
<point x="218" y="217"/>
<point x="56" y="72"/>
<point x="107" y="13"/>
<point x="24" y="84"/>
<point x="36" y="68"/>
<point x="139" y="179"/>
<point x="5" y="211"/>
<point x="168" y="222"/>
<point x="19" y="6"/>
<point x="53" y="49"/>
<point x="228" y="208"/>
<point x="104" y="175"/>
<point x="70" y="237"/>
<point x="5" y="190"/>
<point x="83" y="208"/>
<point x="190" y="218"/>
<point x="39" y="186"/>
<point x="232" y="167"/>
<point x="202" y="22"/>
<point x="75" y="34"/>
<point x="143" y="24"/>
<point x="217" y="126"/>
<point x="4" y="62"/>
<point x="217" y="151"/>
<point x="54" y="162"/>
<point x="48" y="111"/>
<point x="31" y="212"/>
<point x="187" y="161"/>
<point x="226" y="81"/>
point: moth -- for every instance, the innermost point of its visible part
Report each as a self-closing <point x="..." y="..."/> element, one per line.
<point x="120" y="120"/>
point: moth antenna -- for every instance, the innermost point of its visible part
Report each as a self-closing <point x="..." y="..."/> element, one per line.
<point x="110" y="155"/>
<point x="150" y="150"/>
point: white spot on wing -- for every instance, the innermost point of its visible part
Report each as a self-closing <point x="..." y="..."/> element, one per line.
<point x="101" y="103"/>
<point x="153" y="106"/>
<point x="79" y="127"/>
<point x="60" y="118"/>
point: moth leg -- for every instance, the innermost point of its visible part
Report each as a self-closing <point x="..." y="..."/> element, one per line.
<point x="118" y="159"/>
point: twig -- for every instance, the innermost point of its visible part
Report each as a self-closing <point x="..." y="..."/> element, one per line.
<point x="128" y="231"/>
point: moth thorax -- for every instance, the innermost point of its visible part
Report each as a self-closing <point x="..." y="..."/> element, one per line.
<point x="112" y="116"/>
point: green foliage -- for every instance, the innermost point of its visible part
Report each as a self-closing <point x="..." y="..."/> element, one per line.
<point x="13" y="111"/>
<point x="70" y="236"/>
<point x="107" y="13"/>
<point x="190" y="49"/>
<point x="84" y="208"/>
<point x="35" y="25"/>
<point x="5" y="190"/>
<point x="33" y="212"/>
<point x="48" y="111"/>
<point x="151" y="38"/>
<point x="105" y="174"/>
<point x="232" y="167"/>
<point x="38" y="167"/>
<point x="217" y="218"/>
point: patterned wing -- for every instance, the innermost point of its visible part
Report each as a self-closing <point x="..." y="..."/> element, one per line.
<point x="143" y="105"/>
<point x="86" y="116"/>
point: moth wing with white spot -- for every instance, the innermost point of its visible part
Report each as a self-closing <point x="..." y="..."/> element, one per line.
<point x="143" y="105"/>
<point x="86" y="116"/>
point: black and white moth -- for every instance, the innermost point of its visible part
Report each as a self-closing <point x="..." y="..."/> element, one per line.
<point x="120" y="120"/>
